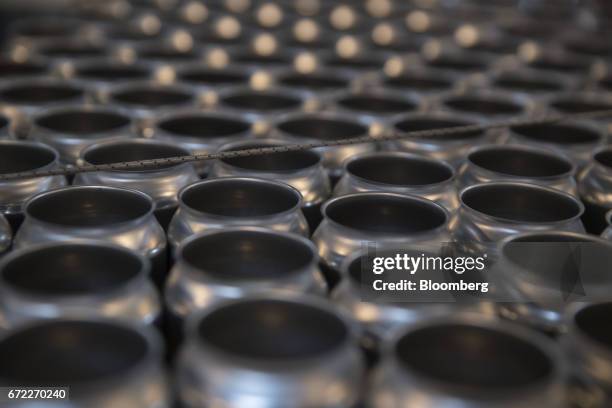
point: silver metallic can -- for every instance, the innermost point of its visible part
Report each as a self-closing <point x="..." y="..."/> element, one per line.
<point x="575" y="140"/>
<point x="520" y="163"/>
<point x="539" y="280"/>
<point x="110" y="214"/>
<point x="300" y="169"/>
<point x="299" y="353"/>
<point x="587" y="345"/>
<point x="402" y="173"/>
<point x="103" y="363"/>
<point x="201" y="132"/>
<point x="161" y="183"/>
<point x="77" y="279"/>
<point x="17" y="156"/>
<point x="466" y="362"/>
<point x="233" y="263"/>
<point x="70" y="129"/>
<point x="325" y="126"/>
<point x="451" y="149"/>
<point x="237" y="201"/>
<point x="582" y="102"/>
<point x="594" y="184"/>
<point x="21" y="99"/>
<point x="490" y="212"/>
<point x="145" y="101"/>
<point x="351" y="221"/>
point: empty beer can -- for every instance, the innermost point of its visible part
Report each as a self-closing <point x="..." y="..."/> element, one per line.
<point x="237" y="201"/>
<point x="300" y="169"/>
<point x="70" y="129"/>
<point x="594" y="189"/>
<point x="162" y="183"/>
<point x="77" y="279"/>
<point x="352" y="221"/>
<point x="520" y="163"/>
<point x="100" y="362"/>
<point x="490" y="212"/>
<point x="449" y="148"/>
<point x="402" y="173"/>
<point x="110" y="214"/>
<point x="21" y="155"/>
<point x="322" y="127"/>
<point x="235" y="262"/>
<point x="469" y="363"/>
<point x="300" y="353"/>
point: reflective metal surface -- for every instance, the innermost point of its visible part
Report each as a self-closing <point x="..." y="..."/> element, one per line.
<point x="77" y="279"/>
<point x="300" y="353"/>
<point x="517" y="163"/>
<point x="237" y="201"/>
<point x="262" y="262"/>
<point x="594" y="184"/>
<point x="352" y="221"/>
<point x="105" y="363"/>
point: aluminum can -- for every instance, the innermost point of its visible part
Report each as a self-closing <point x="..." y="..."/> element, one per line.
<point x="522" y="163"/>
<point x="305" y="356"/>
<point x="77" y="280"/>
<point x="70" y="129"/>
<point x="375" y="104"/>
<point x="352" y="221"/>
<point x="237" y="201"/>
<point x="436" y="364"/>
<point x="20" y="155"/>
<point x="110" y="214"/>
<point x="162" y="183"/>
<point x="594" y="183"/>
<point x="325" y="126"/>
<point x="490" y="212"/>
<point x="105" y="363"/>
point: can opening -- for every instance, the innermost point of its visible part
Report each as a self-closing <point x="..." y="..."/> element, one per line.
<point x="152" y="97"/>
<point x="591" y="45"/>
<point x="604" y="158"/>
<point x="16" y="157"/>
<point x="48" y="28"/>
<point x="517" y="83"/>
<point x="12" y="68"/>
<point x="575" y="105"/>
<point x="473" y="359"/>
<point x="204" y="126"/>
<point x="322" y="128"/>
<point x="520" y="162"/>
<point x="562" y="64"/>
<point x="82" y="122"/>
<point x="167" y="54"/>
<point x="558" y="133"/>
<point x="89" y="207"/>
<point x="72" y="269"/>
<point x="381" y="213"/>
<point x="247" y="255"/>
<point x="262" y="101"/>
<point x="260" y="59"/>
<point x="355" y="63"/>
<point x="314" y="81"/>
<point x="376" y="104"/>
<point x="127" y="150"/>
<point x="286" y="161"/>
<point x="430" y="123"/>
<point x="419" y="83"/>
<point x="69" y="353"/>
<point x="73" y="51"/>
<point x="521" y="203"/>
<point x="110" y="72"/>
<point x="592" y="321"/>
<point x="463" y="62"/>
<point x="213" y="76"/>
<point x="606" y="83"/>
<point x="275" y="329"/>
<point x="400" y="171"/>
<point x="240" y="198"/>
<point x="484" y="105"/>
<point x="40" y="93"/>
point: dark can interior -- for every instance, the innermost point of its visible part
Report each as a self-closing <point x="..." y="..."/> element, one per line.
<point x="16" y="157"/>
<point x="520" y="162"/>
<point x="560" y="133"/>
<point x="132" y="151"/>
<point x="40" y="93"/>
<point x="484" y="105"/>
<point x="262" y="101"/>
<point x="322" y="128"/>
<point x="399" y="171"/>
<point x="202" y="126"/>
<point x="84" y="122"/>
<point x="152" y="97"/>
<point x="276" y="162"/>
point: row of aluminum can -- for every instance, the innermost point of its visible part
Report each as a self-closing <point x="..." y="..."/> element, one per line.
<point x="237" y="283"/>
